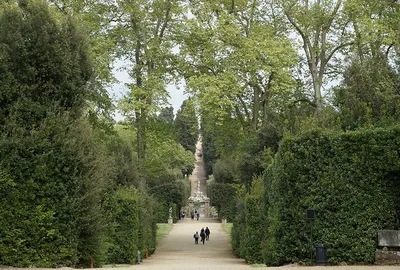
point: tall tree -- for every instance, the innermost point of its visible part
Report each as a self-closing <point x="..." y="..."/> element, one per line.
<point x="238" y="60"/>
<point x="146" y="28"/>
<point x="187" y="125"/>
<point x="167" y="115"/>
<point x="376" y="27"/>
<point x="323" y="29"/>
<point x="369" y="93"/>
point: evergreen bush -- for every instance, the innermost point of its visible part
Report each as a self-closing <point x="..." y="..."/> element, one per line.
<point x="350" y="179"/>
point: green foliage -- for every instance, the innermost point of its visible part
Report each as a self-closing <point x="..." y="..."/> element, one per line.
<point x="123" y="240"/>
<point x="369" y="93"/>
<point x="250" y="159"/>
<point x="187" y="125"/>
<point x="250" y="225"/>
<point x="132" y="225"/>
<point x="169" y="195"/>
<point x="209" y="148"/>
<point x="57" y="174"/>
<point x="224" y="171"/>
<point x="122" y="149"/>
<point x="55" y="168"/>
<point x="166" y="160"/>
<point x="167" y="115"/>
<point x="222" y="196"/>
<point x="350" y="179"/>
<point x="44" y="62"/>
<point x="238" y="230"/>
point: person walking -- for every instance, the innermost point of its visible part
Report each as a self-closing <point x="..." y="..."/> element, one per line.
<point x="202" y="235"/>
<point x="196" y="237"/>
<point x="207" y="231"/>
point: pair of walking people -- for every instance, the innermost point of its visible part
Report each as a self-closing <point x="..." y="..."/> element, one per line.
<point x="204" y="235"/>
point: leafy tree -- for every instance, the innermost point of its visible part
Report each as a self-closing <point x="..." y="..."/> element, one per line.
<point x="375" y="25"/>
<point x="45" y="62"/>
<point x="369" y="93"/>
<point x="187" y="125"/>
<point x="49" y="151"/>
<point x="145" y="36"/>
<point x="237" y="60"/>
<point x="322" y="27"/>
<point x="167" y="115"/>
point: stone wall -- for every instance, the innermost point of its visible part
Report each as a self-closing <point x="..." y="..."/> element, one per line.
<point x="389" y="241"/>
<point x="386" y="257"/>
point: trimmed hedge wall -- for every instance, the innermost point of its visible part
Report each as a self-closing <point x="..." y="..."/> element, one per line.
<point x="351" y="180"/>
<point x="169" y="195"/>
<point x="249" y="225"/>
<point x="133" y="226"/>
<point x="223" y="196"/>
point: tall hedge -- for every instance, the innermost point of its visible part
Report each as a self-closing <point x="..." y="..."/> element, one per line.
<point x="249" y="225"/>
<point x="351" y="180"/>
<point x="223" y="197"/>
<point x="169" y="195"/>
<point x="123" y="241"/>
<point x="50" y="208"/>
<point x="132" y="225"/>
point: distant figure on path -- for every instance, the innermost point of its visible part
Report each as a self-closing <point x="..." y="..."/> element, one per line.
<point x="198" y="216"/>
<point x="196" y="237"/>
<point x="207" y="231"/>
<point x="192" y="215"/>
<point x="202" y="235"/>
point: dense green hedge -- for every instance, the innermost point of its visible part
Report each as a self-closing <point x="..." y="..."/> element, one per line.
<point x="170" y="195"/>
<point x="350" y="179"/>
<point x="53" y="180"/>
<point x="249" y="225"/>
<point x="222" y="196"/>
<point x="132" y="226"/>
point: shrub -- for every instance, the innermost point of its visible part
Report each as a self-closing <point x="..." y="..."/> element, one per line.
<point x="348" y="178"/>
<point x="249" y="225"/>
<point x="132" y="225"/>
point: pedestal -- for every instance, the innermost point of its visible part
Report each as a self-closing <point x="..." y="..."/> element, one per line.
<point x="170" y="221"/>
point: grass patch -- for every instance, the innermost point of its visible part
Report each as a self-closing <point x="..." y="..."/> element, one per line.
<point x="162" y="230"/>
<point x="257" y="265"/>
<point x="227" y="227"/>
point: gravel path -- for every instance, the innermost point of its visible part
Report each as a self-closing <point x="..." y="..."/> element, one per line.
<point x="178" y="251"/>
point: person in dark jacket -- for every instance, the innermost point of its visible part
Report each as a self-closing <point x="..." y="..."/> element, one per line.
<point x="202" y="235"/>
<point x="207" y="232"/>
